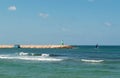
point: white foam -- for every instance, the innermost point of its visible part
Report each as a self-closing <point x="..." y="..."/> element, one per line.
<point x="45" y="55"/>
<point x="32" y="54"/>
<point x="92" y="61"/>
<point x="6" y="57"/>
<point x="23" y="54"/>
<point x="30" y="58"/>
<point x="41" y="59"/>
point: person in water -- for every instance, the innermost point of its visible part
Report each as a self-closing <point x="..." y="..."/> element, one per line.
<point x="96" y="46"/>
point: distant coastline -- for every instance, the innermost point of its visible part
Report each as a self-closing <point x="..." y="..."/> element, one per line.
<point x="35" y="46"/>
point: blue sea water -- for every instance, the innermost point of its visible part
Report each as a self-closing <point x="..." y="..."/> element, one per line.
<point x="78" y="62"/>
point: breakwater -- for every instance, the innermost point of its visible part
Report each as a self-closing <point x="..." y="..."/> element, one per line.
<point x="35" y="46"/>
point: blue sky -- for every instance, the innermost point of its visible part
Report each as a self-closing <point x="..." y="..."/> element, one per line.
<point x="77" y="22"/>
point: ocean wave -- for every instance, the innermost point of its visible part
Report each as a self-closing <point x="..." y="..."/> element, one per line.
<point x="45" y="55"/>
<point x="23" y="54"/>
<point x="31" y="58"/>
<point x="36" y="54"/>
<point x="41" y="59"/>
<point x="92" y="61"/>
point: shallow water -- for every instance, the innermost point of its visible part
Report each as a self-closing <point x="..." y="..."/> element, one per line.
<point x="79" y="62"/>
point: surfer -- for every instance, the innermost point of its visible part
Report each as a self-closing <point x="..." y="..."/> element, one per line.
<point x="96" y="46"/>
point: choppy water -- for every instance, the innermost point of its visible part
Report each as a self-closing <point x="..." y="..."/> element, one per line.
<point x="79" y="62"/>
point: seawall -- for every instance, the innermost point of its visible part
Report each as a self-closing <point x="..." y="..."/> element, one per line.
<point x="35" y="46"/>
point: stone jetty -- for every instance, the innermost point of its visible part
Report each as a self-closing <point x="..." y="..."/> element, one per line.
<point x="35" y="46"/>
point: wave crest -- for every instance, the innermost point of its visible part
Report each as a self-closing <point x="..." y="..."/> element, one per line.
<point x="45" y="55"/>
<point x="92" y="61"/>
<point x="30" y="58"/>
<point x="23" y="54"/>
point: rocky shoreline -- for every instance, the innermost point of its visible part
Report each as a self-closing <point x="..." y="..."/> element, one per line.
<point x="35" y="46"/>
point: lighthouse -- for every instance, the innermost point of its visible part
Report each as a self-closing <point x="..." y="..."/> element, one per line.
<point x="62" y="42"/>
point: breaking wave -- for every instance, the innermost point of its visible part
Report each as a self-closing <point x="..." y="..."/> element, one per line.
<point x="92" y="61"/>
<point x="44" y="57"/>
<point x="24" y="56"/>
<point x="36" y="54"/>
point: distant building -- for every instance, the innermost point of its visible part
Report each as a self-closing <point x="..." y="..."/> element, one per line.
<point x="16" y="46"/>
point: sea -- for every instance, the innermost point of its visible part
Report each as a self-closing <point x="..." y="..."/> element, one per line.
<point x="77" y="62"/>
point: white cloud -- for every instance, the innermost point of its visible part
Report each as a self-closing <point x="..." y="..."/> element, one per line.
<point x="91" y="0"/>
<point x="43" y="15"/>
<point x="108" y="23"/>
<point x="12" y="8"/>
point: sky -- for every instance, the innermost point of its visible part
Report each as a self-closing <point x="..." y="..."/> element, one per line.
<point x="76" y="22"/>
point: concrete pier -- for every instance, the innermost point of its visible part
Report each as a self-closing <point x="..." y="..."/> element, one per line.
<point x="36" y="46"/>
